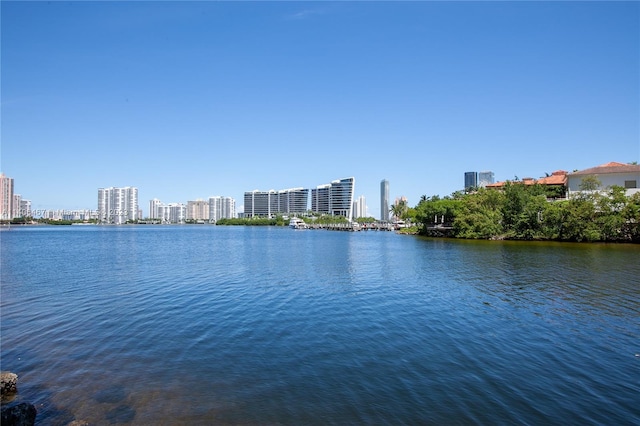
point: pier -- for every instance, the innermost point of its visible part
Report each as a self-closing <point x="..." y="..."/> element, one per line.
<point x="354" y="226"/>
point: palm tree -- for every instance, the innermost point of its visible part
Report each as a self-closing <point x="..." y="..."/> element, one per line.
<point x="399" y="209"/>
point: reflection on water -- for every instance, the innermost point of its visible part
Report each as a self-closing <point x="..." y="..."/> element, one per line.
<point x="234" y="325"/>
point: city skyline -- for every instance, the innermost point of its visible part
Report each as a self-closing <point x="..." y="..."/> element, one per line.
<point x="187" y="99"/>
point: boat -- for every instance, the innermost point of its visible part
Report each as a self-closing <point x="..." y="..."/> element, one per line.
<point x="297" y="223"/>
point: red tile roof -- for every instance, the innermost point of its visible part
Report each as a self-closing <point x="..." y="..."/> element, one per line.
<point x="608" y="168"/>
<point x="559" y="177"/>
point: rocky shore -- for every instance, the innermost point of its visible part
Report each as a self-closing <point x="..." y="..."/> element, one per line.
<point x="13" y="411"/>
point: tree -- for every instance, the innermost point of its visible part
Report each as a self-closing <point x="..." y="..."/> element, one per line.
<point x="590" y="183"/>
<point x="577" y="221"/>
<point x="631" y="216"/>
<point x="399" y="209"/>
<point x="480" y="215"/>
<point x="436" y="211"/>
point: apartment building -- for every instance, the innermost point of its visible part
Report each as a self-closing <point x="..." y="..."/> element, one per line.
<point x="335" y="198"/>
<point x="198" y="210"/>
<point x="6" y="197"/>
<point x="117" y="205"/>
<point x="221" y="208"/>
<point x="269" y="203"/>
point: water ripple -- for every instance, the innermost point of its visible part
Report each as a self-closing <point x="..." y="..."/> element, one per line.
<point x="206" y="325"/>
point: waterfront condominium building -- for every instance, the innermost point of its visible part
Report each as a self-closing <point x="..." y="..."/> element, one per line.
<point x="6" y="197"/>
<point x="269" y="203"/>
<point x="260" y="203"/>
<point x="221" y="208"/>
<point x="172" y="213"/>
<point x="360" y="207"/>
<point x="384" y="200"/>
<point x="198" y="210"/>
<point x="485" y="178"/>
<point x="341" y="199"/>
<point x="25" y="207"/>
<point x="117" y="205"/>
<point x="169" y="213"/>
<point x="154" y="205"/>
<point x="335" y="198"/>
<point x="294" y="200"/>
<point x="470" y="180"/>
<point x="15" y="206"/>
<point x="320" y="198"/>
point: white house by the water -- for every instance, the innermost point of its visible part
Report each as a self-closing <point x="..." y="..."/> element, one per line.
<point x="610" y="174"/>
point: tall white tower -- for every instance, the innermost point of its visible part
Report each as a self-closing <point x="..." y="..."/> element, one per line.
<point x="117" y="205"/>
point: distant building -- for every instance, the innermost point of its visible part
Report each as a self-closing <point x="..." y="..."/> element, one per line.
<point x="176" y="212"/>
<point x="172" y="213"/>
<point x="398" y="201"/>
<point x="335" y="198"/>
<point x="117" y="205"/>
<point x="360" y="207"/>
<point x="470" y="180"/>
<point x="84" y="215"/>
<point x="198" y="210"/>
<point x="384" y="200"/>
<point x="485" y="178"/>
<point x="295" y="200"/>
<point x="15" y="206"/>
<point x="320" y="198"/>
<point x="6" y="197"/>
<point x="154" y="205"/>
<point x="221" y="208"/>
<point x="25" y="208"/>
<point x="270" y="203"/>
<point x="260" y="203"/>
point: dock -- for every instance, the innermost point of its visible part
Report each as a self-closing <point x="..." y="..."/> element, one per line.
<point x="353" y="227"/>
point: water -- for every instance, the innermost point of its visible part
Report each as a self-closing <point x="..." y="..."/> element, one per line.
<point x="272" y="326"/>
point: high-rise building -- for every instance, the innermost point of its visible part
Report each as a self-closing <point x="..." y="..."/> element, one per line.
<point x="228" y="208"/>
<point x="320" y="198"/>
<point x="384" y="200"/>
<point x="172" y="213"/>
<point x="221" y="208"/>
<point x="117" y="205"/>
<point x="6" y="197"/>
<point x="269" y="203"/>
<point x="335" y="198"/>
<point x="176" y="212"/>
<point x="154" y="205"/>
<point x="15" y="205"/>
<point x="260" y="203"/>
<point x="198" y="210"/>
<point x="341" y="199"/>
<point x="485" y="178"/>
<point x="25" y="208"/>
<point x="295" y="200"/>
<point x="470" y="180"/>
<point x="360" y="207"/>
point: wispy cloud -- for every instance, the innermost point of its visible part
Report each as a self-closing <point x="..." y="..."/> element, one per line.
<point x="304" y="14"/>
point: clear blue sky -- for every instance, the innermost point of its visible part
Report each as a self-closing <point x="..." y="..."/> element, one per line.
<point x="190" y="100"/>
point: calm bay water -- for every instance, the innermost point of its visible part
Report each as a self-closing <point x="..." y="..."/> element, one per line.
<point x="253" y="325"/>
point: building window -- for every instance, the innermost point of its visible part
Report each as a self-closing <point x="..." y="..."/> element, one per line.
<point x="630" y="184"/>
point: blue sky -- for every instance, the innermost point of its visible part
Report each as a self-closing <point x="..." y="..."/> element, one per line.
<point x="186" y="100"/>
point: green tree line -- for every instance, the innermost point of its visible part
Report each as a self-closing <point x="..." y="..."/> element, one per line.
<point x="523" y="212"/>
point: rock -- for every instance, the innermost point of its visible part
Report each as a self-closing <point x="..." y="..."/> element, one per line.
<point x="18" y="414"/>
<point x="8" y="383"/>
